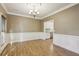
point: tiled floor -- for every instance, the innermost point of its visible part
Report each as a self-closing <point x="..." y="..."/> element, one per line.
<point x="35" y="48"/>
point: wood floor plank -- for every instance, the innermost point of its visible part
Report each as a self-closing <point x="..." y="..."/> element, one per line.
<point x="35" y="48"/>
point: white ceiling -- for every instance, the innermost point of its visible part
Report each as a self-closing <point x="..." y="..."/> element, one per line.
<point x="22" y="9"/>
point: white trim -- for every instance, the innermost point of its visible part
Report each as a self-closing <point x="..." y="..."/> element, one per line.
<point x="61" y="9"/>
<point x="4" y="7"/>
<point x="2" y="48"/>
<point x="27" y="36"/>
<point x="69" y="42"/>
<point x="21" y="15"/>
<point x="6" y="38"/>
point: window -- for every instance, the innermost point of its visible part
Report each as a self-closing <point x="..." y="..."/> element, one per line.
<point x="49" y="26"/>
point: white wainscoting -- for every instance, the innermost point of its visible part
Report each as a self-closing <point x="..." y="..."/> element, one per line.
<point x="19" y="37"/>
<point x="4" y="42"/>
<point x="69" y="42"/>
<point x="2" y="48"/>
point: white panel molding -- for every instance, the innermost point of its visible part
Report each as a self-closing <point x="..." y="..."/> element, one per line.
<point x="6" y="37"/>
<point x="69" y="42"/>
<point x="19" y="37"/>
<point x="2" y="48"/>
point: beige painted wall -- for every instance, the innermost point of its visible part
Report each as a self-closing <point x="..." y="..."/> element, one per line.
<point x="66" y="21"/>
<point x="2" y="11"/>
<point x="23" y="24"/>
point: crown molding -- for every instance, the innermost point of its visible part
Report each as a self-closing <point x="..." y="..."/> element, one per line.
<point x="22" y="15"/>
<point x="16" y="13"/>
<point x="4" y="7"/>
<point x="40" y="18"/>
<point x="61" y="9"/>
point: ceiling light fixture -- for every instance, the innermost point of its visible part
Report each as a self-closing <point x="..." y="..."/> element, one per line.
<point x="34" y="13"/>
<point x="34" y="9"/>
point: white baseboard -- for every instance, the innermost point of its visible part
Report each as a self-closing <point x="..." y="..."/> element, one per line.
<point x="2" y="48"/>
<point x="69" y="42"/>
<point x="19" y="37"/>
<point x="6" y="41"/>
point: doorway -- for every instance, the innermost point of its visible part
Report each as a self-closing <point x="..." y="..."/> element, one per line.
<point x="49" y="27"/>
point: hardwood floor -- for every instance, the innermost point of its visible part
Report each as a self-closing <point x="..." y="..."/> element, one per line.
<point x="35" y="48"/>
